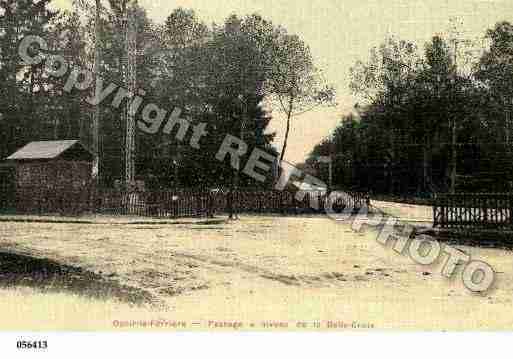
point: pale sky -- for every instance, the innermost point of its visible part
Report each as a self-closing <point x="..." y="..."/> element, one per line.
<point x="340" y="32"/>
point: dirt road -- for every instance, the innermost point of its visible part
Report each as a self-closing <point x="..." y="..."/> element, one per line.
<point x="258" y="270"/>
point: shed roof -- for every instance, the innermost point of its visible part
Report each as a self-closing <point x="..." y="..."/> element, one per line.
<point x="47" y="150"/>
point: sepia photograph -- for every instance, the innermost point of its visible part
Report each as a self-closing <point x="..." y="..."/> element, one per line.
<point x="255" y="166"/>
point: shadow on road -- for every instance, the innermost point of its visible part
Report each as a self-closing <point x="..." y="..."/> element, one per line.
<point x="483" y="239"/>
<point x="52" y="277"/>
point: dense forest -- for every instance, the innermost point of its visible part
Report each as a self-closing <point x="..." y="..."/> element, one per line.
<point x="431" y="121"/>
<point x="228" y="76"/>
<point x="431" y="118"/>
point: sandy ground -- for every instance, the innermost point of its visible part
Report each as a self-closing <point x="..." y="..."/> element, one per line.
<point x="261" y="272"/>
<point x="415" y="214"/>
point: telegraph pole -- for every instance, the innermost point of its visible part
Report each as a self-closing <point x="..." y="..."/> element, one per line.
<point x="234" y="210"/>
<point x="130" y="80"/>
<point x="508" y="106"/>
<point x="454" y="156"/>
<point x="97" y="112"/>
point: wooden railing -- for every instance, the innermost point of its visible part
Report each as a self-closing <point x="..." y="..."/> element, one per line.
<point x="173" y="204"/>
<point x="474" y="210"/>
<point x="286" y="201"/>
<point x="178" y="203"/>
<point x="39" y="200"/>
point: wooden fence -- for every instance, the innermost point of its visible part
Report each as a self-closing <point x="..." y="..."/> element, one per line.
<point x="39" y="200"/>
<point x="287" y="202"/>
<point x="179" y="203"/>
<point x="172" y="204"/>
<point x="474" y="210"/>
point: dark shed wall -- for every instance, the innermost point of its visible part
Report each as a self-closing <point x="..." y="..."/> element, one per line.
<point x="7" y="187"/>
<point x="64" y="175"/>
<point x="53" y="187"/>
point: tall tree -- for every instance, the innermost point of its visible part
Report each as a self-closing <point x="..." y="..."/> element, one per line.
<point x="385" y="82"/>
<point x="296" y="83"/>
<point x="17" y="20"/>
<point x="495" y="70"/>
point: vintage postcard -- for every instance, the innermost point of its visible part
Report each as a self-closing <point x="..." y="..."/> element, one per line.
<point x="259" y="166"/>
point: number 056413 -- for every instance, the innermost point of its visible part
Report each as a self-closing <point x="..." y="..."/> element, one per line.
<point x="28" y="344"/>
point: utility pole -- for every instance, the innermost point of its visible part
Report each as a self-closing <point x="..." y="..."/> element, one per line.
<point x="456" y="39"/>
<point x="454" y="156"/>
<point x="234" y="210"/>
<point x="508" y="106"/>
<point x="130" y="80"/>
<point x="330" y="170"/>
<point x="97" y="112"/>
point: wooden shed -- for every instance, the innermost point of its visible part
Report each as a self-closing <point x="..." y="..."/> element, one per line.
<point x="51" y="172"/>
<point x="7" y="186"/>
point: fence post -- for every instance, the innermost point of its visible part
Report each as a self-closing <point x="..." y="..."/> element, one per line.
<point x="435" y="211"/>
<point x="510" y="196"/>
<point x="485" y="207"/>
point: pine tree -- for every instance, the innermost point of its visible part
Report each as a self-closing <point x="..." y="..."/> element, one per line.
<point x="17" y="20"/>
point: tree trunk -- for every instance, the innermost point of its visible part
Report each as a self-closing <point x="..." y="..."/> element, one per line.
<point x="287" y="132"/>
<point x="285" y="141"/>
<point x="34" y="123"/>
<point x="97" y="110"/>
<point x="426" y="176"/>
